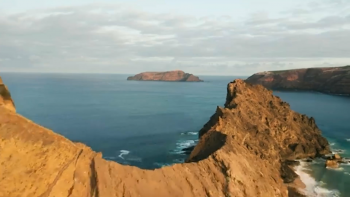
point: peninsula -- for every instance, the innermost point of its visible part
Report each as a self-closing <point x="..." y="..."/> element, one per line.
<point x="243" y="150"/>
<point x="332" y="80"/>
<point x="176" y="75"/>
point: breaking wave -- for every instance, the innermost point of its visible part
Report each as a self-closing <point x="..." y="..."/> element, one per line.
<point x="189" y="133"/>
<point x="338" y="151"/>
<point x="313" y="188"/>
<point x="123" y="152"/>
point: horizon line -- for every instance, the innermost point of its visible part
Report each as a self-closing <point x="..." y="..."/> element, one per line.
<point x="103" y="73"/>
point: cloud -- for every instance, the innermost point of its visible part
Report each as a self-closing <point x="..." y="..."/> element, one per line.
<point x="113" y="38"/>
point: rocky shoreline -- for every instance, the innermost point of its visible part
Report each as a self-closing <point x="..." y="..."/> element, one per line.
<point x="251" y="141"/>
<point x="332" y="80"/>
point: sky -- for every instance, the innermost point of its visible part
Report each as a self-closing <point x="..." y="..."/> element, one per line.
<point x="221" y="37"/>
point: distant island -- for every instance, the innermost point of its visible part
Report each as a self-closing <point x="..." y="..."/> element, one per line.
<point x="176" y="75"/>
<point x="332" y="80"/>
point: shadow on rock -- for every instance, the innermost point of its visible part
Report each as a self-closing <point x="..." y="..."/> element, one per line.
<point x="212" y="142"/>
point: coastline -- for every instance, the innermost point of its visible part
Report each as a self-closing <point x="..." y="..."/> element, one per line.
<point x="307" y="185"/>
<point x="296" y="189"/>
<point x="308" y="91"/>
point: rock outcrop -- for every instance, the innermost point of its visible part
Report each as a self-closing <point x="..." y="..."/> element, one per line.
<point x="334" y="80"/>
<point x="243" y="152"/>
<point x="334" y="161"/>
<point x="176" y="75"/>
<point x="5" y="97"/>
<point x="332" y="164"/>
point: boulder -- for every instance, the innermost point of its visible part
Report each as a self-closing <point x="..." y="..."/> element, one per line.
<point x="332" y="164"/>
<point x="337" y="157"/>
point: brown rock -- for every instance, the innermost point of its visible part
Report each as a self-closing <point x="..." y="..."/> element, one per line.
<point x="332" y="164"/>
<point x="292" y="163"/>
<point x="333" y="80"/>
<point x="288" y="175"/>
<point x="239" y="154"/>
<point x="337" y="157"/>
<point x="293" y="192"/>
<point x="176" y="75"/>
<point x="5" y="97"/>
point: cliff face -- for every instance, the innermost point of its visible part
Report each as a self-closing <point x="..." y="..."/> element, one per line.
<point x="5" y="97"/>
<point x="334" y="80"/>
<point x="176" y="75"/>
<point x="240" y="153"/>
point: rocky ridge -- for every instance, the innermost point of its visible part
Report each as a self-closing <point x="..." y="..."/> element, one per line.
<point x="176" y="75"/>
<point x="243" y="151"/>
<point x="333" y="80"/>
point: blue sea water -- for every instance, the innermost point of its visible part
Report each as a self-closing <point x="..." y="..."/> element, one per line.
<point x="146" y="124"/>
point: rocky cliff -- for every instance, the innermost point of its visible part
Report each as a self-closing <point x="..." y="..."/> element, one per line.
<point x="176" y="75"/>
<point x="242" y="151"/>
<point x="5" y="97"/>
<point x="335" y="80"/>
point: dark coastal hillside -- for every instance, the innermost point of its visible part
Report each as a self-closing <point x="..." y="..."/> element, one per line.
<point x="243" y="150"/>
<point x="176" y="75"/>
<point x="333" y="80"/>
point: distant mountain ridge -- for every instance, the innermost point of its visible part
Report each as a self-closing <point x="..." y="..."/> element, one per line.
<point x="331" y="80"/>
<point x="176" y="75"/>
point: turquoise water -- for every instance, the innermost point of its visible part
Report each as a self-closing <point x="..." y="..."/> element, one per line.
<point x="332" y="114"/>
<point x="146" y="124"/>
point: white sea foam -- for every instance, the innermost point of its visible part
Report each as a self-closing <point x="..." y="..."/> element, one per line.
<point x="123" y="152"/>
<point x="313" y="188"/>
<point x="348" y="139"/>
<point x="181" y="144"/>
<point x="189" y="133"/>
<point x="161" y="164"/>
<point x="335" y="169"/>
<point x="185" y="143"/>
<point x="332" y="144"/>
<point x="338" y="151"/>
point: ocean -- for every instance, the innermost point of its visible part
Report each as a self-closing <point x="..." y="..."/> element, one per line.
<point x="147" y="124"/>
